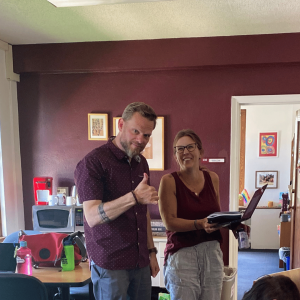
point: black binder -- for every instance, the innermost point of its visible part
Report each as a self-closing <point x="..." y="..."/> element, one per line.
<point x="224" y="219"/>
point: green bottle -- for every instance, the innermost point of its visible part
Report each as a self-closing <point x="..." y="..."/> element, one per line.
<point x="67" y="259"/>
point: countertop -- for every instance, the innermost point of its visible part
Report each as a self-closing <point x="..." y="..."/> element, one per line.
<point x="261" y="207"/>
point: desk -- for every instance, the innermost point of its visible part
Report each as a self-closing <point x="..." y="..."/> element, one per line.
<point x="51" y="277"/>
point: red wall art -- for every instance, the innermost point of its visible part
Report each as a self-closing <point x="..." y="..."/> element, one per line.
<point x="268" y="144"/>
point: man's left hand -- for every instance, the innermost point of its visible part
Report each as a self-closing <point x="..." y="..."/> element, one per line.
<point x="153" y="265"/>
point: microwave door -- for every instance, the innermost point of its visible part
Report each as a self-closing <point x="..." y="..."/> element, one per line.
<point x="54" y="219"/>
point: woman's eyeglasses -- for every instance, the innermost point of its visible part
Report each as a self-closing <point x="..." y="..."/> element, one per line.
<point x="190" y="148"/>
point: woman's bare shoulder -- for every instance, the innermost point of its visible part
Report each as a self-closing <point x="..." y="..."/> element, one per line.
<point x="214" y="176"/>
<point x="167" y="184"/>
<point x="167" y="178"/>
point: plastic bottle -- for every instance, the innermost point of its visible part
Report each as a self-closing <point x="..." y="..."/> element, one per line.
<point x="67" y="259"/>
<point x="24" y="259"/>
<point x="243" y="239"/>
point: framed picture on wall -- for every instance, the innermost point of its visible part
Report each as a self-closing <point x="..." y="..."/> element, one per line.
<point x="268" y="144"/>
<point x="269" y="177"/>
<point x="154" y="151"/>
<point x="98" y="128"/>
<point x="115" y="125"/>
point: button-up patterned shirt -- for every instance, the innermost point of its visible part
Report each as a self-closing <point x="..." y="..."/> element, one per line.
<point x="106" y="174"/>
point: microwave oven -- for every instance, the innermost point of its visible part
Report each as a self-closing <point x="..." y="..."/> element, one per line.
<point x="57" y="218"/>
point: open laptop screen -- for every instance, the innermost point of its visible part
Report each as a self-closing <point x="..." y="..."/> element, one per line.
<point x="7" y="260"/>
<point x="253" y="203"/>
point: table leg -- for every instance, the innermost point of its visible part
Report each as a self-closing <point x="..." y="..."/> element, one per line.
<point x="65" y="293"/>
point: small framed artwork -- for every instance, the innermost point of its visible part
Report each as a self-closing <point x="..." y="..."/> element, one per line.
<point x="98" y="128"/>
<point x="63" y="190"/>
<point x="154" y="150"/>
<point x="268" y="144"/>
<point x="266" y="177"/>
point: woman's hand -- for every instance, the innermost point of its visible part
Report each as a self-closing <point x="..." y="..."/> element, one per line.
<point x="209" y="228"/>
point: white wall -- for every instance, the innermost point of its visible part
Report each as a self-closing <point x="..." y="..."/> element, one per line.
<point x="11" y="195"/>
<point x="266" y="118"/>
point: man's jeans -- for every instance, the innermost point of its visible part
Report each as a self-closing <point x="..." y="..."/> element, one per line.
<point x="130" y="284"/>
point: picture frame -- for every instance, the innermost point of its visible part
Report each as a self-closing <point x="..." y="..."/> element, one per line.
<point x="115" y="125"/>
<point x="62" y="190"/>
<point x="269" y="177"/>
<point x="154" y="151"/>
<point x="98" y="127"/>
<point x="268" y="144"/>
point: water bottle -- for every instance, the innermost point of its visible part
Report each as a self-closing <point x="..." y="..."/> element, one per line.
<point x="24" y="259"/>
<point x="67" y="259"/>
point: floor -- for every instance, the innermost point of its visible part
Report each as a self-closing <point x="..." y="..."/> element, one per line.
<point x="253" y="264"/>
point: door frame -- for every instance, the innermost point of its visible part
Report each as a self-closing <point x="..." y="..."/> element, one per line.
<point x="236" y="103"/>
<point x="294" y="195"/>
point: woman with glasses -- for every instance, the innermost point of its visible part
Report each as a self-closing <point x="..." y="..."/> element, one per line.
<point x="193" y="259"/>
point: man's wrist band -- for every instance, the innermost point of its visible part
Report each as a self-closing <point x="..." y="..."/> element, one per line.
<point x="135" y="198"/>
<point x="153" y="250"/>
<point x="195" y="224"/>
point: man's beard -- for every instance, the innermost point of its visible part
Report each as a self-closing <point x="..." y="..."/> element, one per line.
<point x="131" y="153"/>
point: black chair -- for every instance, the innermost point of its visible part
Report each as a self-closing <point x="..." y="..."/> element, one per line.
<point x="21" y="287"/>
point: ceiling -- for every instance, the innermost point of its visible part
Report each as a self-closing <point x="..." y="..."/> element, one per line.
<point x="38" y="21"/>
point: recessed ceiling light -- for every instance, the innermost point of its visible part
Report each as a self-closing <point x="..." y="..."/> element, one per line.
<point x="69" y="3"/>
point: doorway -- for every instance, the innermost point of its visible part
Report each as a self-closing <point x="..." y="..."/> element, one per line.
<point x="236" y="104"/>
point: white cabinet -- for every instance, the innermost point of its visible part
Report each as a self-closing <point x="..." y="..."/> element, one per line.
<point x="160" y="244"/>
<point x="264" y="234"/>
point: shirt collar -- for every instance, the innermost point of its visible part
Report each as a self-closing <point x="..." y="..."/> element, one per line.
<point x="120" y="154"/>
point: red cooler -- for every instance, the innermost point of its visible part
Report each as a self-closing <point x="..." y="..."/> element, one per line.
<point x="42" y="183"/>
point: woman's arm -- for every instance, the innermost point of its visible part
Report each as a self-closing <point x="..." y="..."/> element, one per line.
<point x="215" y="181"/>
<point x="168" y="209"/>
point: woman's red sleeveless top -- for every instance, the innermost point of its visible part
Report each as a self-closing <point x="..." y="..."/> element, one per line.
<point x="191" y="207"/>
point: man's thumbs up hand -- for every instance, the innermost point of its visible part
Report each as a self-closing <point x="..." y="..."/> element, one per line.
<point x="145" y="193"/>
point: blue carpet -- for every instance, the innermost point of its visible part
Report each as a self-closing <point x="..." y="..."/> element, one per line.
<point x="253" y="264"/>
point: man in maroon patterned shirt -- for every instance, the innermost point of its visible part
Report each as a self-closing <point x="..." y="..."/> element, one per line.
<point x="113" y="185"/>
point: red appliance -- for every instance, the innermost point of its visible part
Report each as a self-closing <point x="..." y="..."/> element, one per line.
<point x="42" y="183"/>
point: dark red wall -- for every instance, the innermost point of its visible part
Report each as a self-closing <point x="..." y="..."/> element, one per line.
<point x="178" y="78"/>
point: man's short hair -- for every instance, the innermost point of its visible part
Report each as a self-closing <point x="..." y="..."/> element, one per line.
<point x="142" y="108"/>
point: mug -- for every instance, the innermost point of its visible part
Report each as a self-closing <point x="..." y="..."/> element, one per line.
<point x="70" y="200"/>
<point x="53" y="200"/>
<point x="42" y="195"/>
<point x="61" y="199"/>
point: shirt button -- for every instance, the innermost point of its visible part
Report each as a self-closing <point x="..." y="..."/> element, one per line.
<point x="138" y="244"/>
<point x="132" y="181"/>
<point x="136" y="213"/>
<point x="138" y="229"/>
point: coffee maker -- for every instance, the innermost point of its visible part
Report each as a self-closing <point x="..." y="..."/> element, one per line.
<point x="42" y="183"/>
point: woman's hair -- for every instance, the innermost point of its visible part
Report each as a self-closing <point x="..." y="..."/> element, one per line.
<point x="192" y="135"/>
<point x="142" y="108"/>
<point x="273" y="287"/>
